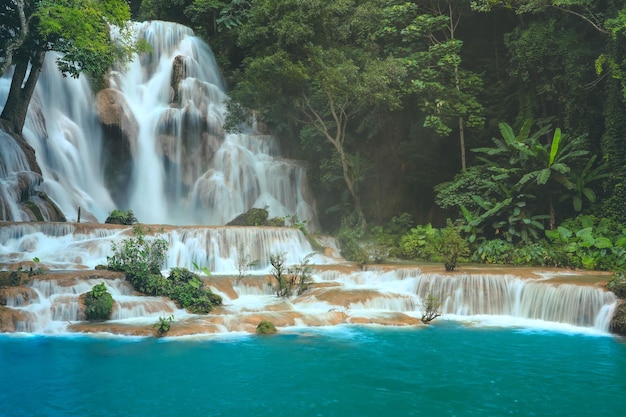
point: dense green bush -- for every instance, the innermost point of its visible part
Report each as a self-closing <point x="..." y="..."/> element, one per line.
<point x="98" y="303"/>
<point x="138" y="256"/>
<point x="419" y="243"/>
<point x="589" y="243"/>
<point x="431" y="244"/>
<point x="252" y="217"/>
<point x="188" y="291"/>
<point x="121" y="217"/>
<point x="141" y="260"/>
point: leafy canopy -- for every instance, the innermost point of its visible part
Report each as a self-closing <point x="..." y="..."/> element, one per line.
<point x="81" y="31"/>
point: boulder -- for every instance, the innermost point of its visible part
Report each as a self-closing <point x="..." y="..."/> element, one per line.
<point x="618" y="322"/>
<point x="120" y="137"/>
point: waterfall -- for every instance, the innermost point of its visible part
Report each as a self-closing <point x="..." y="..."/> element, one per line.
<point x="153" y="142"/>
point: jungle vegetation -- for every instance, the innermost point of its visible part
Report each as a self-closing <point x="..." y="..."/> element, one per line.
<point x="507" y="117"/>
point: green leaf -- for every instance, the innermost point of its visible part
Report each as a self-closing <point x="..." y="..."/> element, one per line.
<point x="556" y="140"/>
<point x="602" y="243"/>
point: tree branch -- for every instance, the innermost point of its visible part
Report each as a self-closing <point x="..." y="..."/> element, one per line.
<point x="585" y="18"/>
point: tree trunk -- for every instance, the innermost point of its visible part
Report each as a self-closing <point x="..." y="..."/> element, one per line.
<point x="462" y="142"/>
<point x="21" y="92"/>
<point x="552" y="213"/>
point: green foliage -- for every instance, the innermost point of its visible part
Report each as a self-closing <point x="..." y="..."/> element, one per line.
<point x="519" y="182"/>
<point x="590" y="243"/>
<point x="431" y="309"/>
<point x="98" y="303"/>
<point x="206" y="271"/>
<point x="126" y="217"/>
<point x="164" y="325"/>
<point x="351" y="250"/>
<point x="617" y="283"/>
<point x="451" y="245"/>
<point x="315" y="64"/>
<point x="289" y="281"/>
<point x="419" y="243"/>
<point x="244" y="262"/>
<point x="238" y="118"/>
<point x="79" y="30"/>
<point x="188" y="291"/>
<point x="266" y="327"/>
<point x="141" y="259"/>
<point x="428" y="243"/>
<point x="252" y="217"/>
<point x="138" y="256"/>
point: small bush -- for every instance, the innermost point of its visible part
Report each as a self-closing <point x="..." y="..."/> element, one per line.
<point x="138" y="256"/>
<point x="266" y="327"/>
<point x="188" y="291"/>
<point x="431" y="309"/>
<point x="290" y="280"/>
<point x="164" y="325"/>
<point x="98" y="303"/>
<point x="451" y="245"/>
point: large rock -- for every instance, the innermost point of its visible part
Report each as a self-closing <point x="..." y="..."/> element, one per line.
<point x="115" y="114"/>
<point x="618" y="323"/>
<point x="120" y="141"/>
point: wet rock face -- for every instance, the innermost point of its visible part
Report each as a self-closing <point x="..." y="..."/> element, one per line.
<point x="17" y="296"/>
<point x="13" y="320"/>
<point x="120" y="130"/>
<point x="21" y="182"/>
<point x="618" y="323"/>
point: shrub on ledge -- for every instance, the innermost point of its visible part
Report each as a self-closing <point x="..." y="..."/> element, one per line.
<point x="98" y="303"/>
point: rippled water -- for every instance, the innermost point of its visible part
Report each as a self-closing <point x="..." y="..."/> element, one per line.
<point x="442" y="370"/>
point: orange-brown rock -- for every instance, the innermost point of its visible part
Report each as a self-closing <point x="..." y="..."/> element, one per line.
<point x="17" y="296"/>
<point x="12" y="320"/>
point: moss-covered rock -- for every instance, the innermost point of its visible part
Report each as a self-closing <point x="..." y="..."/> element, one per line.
<point x="618" y="323"/>
<point x="13" y="278"/>
<point x="125" y="217"/>
<point x="252" y="217"/>
<point x="266" y="327"/>
<point x="619" y="289"/>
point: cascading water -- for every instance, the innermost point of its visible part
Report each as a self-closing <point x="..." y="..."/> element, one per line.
<point x="153" y="142"/>
<point x="340" y="294"/>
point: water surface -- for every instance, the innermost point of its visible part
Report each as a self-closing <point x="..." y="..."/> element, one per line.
<point x="442" y="370"/>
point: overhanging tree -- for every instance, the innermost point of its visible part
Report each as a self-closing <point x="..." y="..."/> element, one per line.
<point x="79" y="30"/>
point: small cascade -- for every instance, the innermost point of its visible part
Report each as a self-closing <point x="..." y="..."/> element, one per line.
<point x="216" y="248"/>
<point x="56" y="304"/>
<point x="462" y="295"/>
<point x="469" y="295"/>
